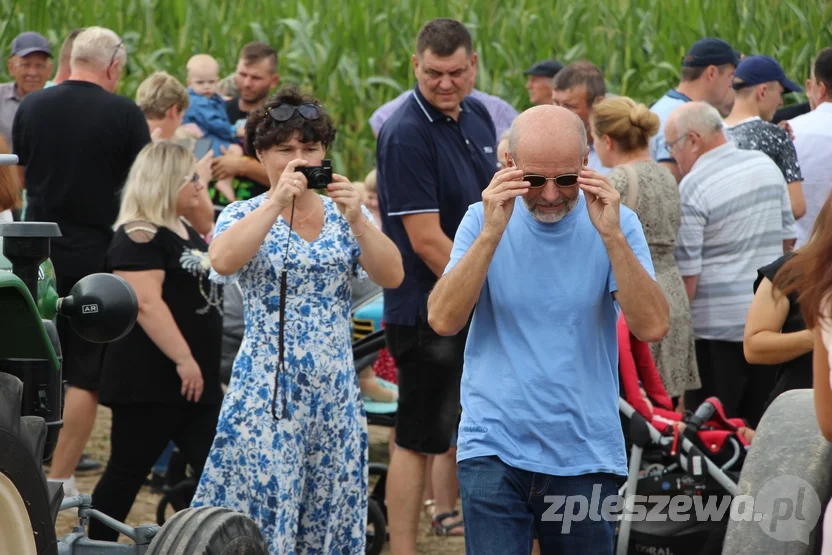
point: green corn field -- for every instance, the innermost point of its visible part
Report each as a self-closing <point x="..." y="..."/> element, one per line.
<point x="356" y="54"/>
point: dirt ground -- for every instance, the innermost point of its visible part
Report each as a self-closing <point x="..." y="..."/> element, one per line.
<point x="144" y="509"/>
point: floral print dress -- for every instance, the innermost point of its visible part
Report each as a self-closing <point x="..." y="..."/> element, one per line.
<point x="303" y="476"/>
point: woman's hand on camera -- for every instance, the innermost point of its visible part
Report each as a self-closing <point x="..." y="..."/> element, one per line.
<point x="347" y="197"/>
<point x="191" y="376"/>
<point x="290" y="185"/>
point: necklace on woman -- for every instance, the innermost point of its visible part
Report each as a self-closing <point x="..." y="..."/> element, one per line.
<point x="301" y="221"/>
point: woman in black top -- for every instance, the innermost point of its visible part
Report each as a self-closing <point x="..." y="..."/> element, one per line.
<point x="775" y="332"/>
<point x="161" y="380"/>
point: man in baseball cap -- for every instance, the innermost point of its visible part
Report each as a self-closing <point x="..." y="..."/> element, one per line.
<point x="30" y="65"/>
<point x="707" y="74"/>
<point x="757" y="70"/>
<point x="539" y="82"/>
<point x="760" y="83"/>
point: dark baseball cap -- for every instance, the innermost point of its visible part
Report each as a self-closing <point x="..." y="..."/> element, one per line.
<point x="28" y="43"/>
<point x="755" y="70"/>
<point x="710" y="52"/>
<point x="545" y="68"/>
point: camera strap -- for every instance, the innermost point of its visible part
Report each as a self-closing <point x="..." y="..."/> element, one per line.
<point x="281" y="364"/>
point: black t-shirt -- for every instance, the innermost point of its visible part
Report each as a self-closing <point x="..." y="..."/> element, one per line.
<point x="796" y="373"/>
<point x="244" y="188"/>
<point x="135" y="370"/>
<point x="78" y="143"/>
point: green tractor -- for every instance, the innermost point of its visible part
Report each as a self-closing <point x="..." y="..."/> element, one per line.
<point x="101" y="308"/>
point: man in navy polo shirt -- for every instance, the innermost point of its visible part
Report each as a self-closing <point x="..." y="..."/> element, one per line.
<point x="435" y="156"/>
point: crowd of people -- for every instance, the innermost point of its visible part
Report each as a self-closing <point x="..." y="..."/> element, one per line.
<point x="702" y="218"/>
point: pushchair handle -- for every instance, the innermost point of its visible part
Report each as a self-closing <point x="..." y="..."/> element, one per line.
<point x="704" y="413"/>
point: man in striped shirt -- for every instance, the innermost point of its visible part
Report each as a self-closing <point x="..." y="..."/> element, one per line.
<point x="736" y="217"/>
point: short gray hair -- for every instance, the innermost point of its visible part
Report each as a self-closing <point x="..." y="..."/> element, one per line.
<point x="699" y="117"/>
<point x="95" y="48"/>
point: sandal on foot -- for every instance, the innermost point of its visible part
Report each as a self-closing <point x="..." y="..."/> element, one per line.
<point x="440" y="529"/>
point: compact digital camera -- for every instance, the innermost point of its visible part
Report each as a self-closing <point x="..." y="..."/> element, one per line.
<point x="317" y="177"/>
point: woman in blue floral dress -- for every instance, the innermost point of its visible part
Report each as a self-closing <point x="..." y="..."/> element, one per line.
<point x="291" y="444"/>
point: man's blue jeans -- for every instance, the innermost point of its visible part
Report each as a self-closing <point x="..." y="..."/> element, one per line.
<point x="505" y="509"/>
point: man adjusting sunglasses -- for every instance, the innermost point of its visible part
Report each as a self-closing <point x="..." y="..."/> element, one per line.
<point x="584" y="254"/>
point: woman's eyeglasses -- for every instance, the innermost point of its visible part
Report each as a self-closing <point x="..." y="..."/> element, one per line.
<point x="191" y="180"/>
<point x="564" y="180"/>
<point x="285" y="112"/>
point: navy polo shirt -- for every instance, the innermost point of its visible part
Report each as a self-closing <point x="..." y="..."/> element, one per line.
<point x="427" y="162"/>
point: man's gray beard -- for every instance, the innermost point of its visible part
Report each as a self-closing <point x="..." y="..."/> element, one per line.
<point x="551" y="217"/>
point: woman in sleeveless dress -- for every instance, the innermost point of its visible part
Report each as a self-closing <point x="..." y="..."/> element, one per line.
<point x="621" y="130"/>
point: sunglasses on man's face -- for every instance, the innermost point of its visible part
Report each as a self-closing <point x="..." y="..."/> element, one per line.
<point x="285" y="112"/>
<point x="563" y="180"/>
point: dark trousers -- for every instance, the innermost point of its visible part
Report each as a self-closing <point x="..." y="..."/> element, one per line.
<point x="743" y="388"/>
<point x="139" y="435"/>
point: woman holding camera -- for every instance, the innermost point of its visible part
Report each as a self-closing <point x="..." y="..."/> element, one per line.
<point x="291" y="444"/>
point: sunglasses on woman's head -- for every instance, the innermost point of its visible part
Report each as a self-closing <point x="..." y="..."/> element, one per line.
<point x="564" y="180"/>
<point x="285" y="112"/>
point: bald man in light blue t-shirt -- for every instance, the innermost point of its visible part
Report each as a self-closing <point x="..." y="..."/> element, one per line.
<point x="540" y="392"/>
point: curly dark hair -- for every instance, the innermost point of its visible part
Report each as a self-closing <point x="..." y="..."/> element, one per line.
<point x="263" y="132"/>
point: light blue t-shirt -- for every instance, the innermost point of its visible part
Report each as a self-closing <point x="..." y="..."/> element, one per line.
<point x="663" y="108"/>
<point x="540" y="381"/>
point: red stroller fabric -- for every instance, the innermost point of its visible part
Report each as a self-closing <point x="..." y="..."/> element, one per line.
<point x="635" y="364"/>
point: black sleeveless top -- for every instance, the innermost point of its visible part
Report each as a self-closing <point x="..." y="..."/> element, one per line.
<point x="795" y="373"/>
<point x="134" y="369"/>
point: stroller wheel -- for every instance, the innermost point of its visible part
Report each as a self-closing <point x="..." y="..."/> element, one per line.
<point x="178" y="497"/>
<point x="376" y="528"/>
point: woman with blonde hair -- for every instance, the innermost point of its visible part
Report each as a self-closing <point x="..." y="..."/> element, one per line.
<point x="621" y="130"/>
<point x="162" y="379"/>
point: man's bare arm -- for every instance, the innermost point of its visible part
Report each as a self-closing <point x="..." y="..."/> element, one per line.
<point x="797" y="199"/>
<point x="428" y="240"/>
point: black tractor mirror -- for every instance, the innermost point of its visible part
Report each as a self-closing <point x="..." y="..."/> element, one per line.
<point x="100" y="308"/>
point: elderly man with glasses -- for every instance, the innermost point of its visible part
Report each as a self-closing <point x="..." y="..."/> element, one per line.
<point x="736" y="217"/>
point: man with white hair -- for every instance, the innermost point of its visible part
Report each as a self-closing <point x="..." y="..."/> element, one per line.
<point x="540" y="383"/>
<point x="736" y="217"/>
<point x="77" y="141"/>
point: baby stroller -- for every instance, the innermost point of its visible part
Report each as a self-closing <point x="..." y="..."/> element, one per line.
<point x="368" y="340"/>
<point x="698" y="455"/>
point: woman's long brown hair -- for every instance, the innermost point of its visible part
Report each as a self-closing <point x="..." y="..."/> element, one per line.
<point x="809" y="272"/>
<point x="10" y="197"/>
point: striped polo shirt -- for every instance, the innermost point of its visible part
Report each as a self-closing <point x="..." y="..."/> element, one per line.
<point x="736" y="213"/>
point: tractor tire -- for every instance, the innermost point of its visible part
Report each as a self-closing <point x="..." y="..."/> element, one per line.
<point x="787" y="453"/>
<point x="28" y="503"/>
<point x="208" y="531"/>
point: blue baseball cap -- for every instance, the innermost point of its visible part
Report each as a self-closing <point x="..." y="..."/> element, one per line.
<point x="755" y="70"/>
<point x="710" y="52"/>
<point x="28" y="43"/>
